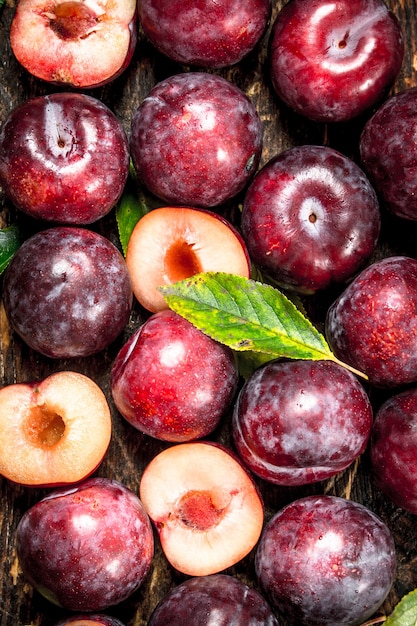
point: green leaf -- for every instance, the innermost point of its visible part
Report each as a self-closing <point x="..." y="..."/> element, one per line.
<point x="405" y="613"/>
<point x="1" y="3"/>
<point x="128" y="212"/>
<point x="247" y="315"/>
<point x="10" y="241"/>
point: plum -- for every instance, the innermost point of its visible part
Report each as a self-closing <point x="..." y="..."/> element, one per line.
<point x="298" y="422"/>
<point x="67" y="292"/>
<point x="55" y="431"/>
<point x="171" y="381"/>
<point x="76" y="43"/>
<point x="64" y="158"/>
<point x="393" y="449"/>
<point x="330" y="61"/>
<point x="172" y="243"/>
<point x="326" y="560"/>
<point x="218" y="599"/>
<point x="196" y="140"/>
<point x="89" y="619"/>
<point x="88" y="547"/>
<point x="372" y="325"/>
<point x="207" y="34"/>
<point x="310" y="218"/>
<point x="388" y="145"/>
<point x="204" y="505"/>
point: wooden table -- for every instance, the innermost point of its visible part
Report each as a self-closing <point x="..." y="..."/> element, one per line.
<point x="130" y="451"/>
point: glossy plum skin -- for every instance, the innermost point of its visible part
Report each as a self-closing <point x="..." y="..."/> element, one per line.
<point x="217" y="599"/>
<point x="196" y="140"/>
<point x="64" y="158"/>
<point x="298" y="422"/>
<point x="89" y="619"/>
<point x="372" y="325"/>
<point x="331" y="61"/>
<point x="159" y="385"/>
<point x="88" y="547"/>
<point x="310" y="218"/>
<point x="204" y="34"/>
<point x="387" y="148"/>
<point x="67" y="292"/>
<point x="393" y="449"/>
<point x="326" y="560"/>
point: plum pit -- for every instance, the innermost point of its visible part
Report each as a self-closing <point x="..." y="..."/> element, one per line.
<point x="198" y="510"/>
<point x="181" y="261"/>
<point x="46" y="427"/>
<point x="72" y="20"/>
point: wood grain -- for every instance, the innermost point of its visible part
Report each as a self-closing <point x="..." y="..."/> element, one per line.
<point x="129" y="451"/>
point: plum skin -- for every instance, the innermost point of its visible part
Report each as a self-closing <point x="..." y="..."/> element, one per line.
<point x="372" y="325"/>
<point x="64" y="158"/>
<point x="196" y="140"/>
<point x="334" y="68"/>
<point x="201" y="33"/>
<point x="299" y="422"/>
<point x="326" y="560"/>
<point x="171" y="381"/>
<point x="393" y="449"/>
<point x="67" y="292"/>
<point x="387" y="151"/>
<point x="88" y="547"/>
<point x="310" y="218"/>
<point x="89" y="619"/>
<point x="217" y="598"/>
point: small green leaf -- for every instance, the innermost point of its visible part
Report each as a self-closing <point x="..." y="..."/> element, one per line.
<point x="247" y="315"/>
<point x="10" y="241"/>
<point x="1" y="3"/>
<point x="405" y="613"/>
<point x="128" y="212"/>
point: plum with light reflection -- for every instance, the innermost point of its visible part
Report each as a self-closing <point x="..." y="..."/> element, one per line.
<point x="86" y="548"/>
<point x="332" y="61"/>
<point x="64" y="158"/>
<point x="171" y="381"/>
<point x="326" y="560"/>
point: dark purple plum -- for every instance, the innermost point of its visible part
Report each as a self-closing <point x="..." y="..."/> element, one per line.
<point x="196" y="140"/>
<point x="86" y="548"/>
<point x="218" y="599"/>
<point x="393" y="449"/>
<point x="298" y="422"/>
<point x="89" y="619"/>
<point x="326" y="560"/>
<point x="64" y="158"/>
<point x="310" y="218"/>
<point x="332" y="61"/>
<point x="206" y="34"/>
<point x="67" y="292"/>
<point x="171" y="381"/>
<point x="372" y="325"/>
<point x="388" y="145"/>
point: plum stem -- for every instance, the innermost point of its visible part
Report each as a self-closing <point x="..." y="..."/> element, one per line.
<point x="349" y="367"/>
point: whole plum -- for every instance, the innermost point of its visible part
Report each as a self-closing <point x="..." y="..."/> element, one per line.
<point x="298" y="422"/>
<point x="171" y="381"/>
<point x="196" y="140"/>
<point x="207" y="34"/>
<point x="64" y="157"/>
<point x="388" y="146"/>
<point x="333" y="60"/>
<point x="393" y="449"/>
<point x="217" y="599"/>
<point x="88" y="547"/>
<point x="67" y="292"/>
<point x="372" y="325"/>
<point x="326" y="560"/>
<point x="310" y="218"/>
